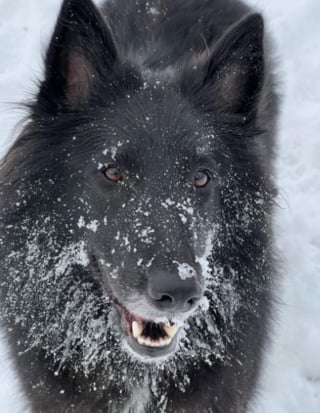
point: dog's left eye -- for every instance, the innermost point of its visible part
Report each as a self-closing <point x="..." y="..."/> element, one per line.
<point x="200" y="178"/>
<point x="112" y="172"/>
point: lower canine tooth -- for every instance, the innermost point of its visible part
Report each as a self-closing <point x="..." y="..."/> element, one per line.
<point x="170" y="330"/>
<point x="137" y="329"/>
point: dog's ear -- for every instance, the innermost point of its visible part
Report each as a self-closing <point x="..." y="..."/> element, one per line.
<point x="232" y="77"/>
<point x="81" y="53"/>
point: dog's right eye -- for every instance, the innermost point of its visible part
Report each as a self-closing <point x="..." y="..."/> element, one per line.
<point x="200" y="178"/>
<point x="112" y="172"/>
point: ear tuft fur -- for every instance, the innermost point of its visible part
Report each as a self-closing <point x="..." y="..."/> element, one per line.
<point x="232" y="77"/>
<point x="81" y="54"/>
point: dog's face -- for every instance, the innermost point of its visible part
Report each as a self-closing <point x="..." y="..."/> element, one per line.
<point x="135" y="182"/>
<point x="144" y="196"/>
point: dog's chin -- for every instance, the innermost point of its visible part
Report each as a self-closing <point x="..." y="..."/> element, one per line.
<point x="146" y="338"/>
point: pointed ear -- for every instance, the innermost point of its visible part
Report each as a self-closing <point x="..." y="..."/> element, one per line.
<point x="233" y="75"/>
<point x="81" y="53"/>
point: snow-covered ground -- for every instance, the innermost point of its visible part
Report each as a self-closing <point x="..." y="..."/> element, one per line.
<point x="291" y="382"/>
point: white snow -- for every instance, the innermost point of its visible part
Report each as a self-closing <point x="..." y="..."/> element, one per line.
<point x="11" y="397"/>
<point x="185" y="270"/>
<point x="291" y="379"/>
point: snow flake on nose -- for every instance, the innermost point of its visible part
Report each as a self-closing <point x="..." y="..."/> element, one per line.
<point x="185" y="270"/>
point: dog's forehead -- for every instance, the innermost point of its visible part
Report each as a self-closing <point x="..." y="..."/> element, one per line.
<point x="158" y="112"/>
<point x="165" y="135"/>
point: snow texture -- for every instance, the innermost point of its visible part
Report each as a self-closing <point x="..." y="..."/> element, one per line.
<point x="291" y="379"/>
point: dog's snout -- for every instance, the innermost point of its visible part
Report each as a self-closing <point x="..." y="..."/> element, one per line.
<point x="169" y="292"/>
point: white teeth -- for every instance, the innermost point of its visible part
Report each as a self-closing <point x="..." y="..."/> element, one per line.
<point x="137" y="328"/>
<point x="152" y="343"/>
<point x="170" y="329"/>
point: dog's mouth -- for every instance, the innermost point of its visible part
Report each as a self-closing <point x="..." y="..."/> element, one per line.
<point x="147" y="337"/>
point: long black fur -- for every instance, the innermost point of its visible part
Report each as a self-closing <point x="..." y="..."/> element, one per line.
<point x="161" y="88"/>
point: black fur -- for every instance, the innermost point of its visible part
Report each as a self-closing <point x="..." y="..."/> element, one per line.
<point x="163" y="89"/>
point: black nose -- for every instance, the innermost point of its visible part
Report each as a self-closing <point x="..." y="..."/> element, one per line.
<point x="171" y="293"/>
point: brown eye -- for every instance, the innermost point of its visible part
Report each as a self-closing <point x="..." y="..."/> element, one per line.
<point x="113" y="173"/>
<point x="200" y="178"/>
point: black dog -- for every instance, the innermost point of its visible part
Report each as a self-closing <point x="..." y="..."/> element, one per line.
<point x="136" y="240"/>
